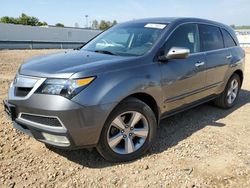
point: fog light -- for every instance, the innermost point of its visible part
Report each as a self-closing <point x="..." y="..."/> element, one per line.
<point x="56" y="138"/>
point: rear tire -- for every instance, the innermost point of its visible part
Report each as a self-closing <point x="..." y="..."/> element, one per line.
<point x="128" y="132"/>
<point x="228" y="97"/>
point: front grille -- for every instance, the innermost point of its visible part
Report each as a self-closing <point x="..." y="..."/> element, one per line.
<point x="23" y="85"/>
<point x="22" y="91"/>
<point x="49" y="121"/>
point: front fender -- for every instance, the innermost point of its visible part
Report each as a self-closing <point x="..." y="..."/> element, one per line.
<point x="112" y="87"/>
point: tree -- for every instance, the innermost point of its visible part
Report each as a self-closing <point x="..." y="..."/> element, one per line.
<point x="114" y="22"/>
<point x="106" y="24"/>
<point x="240" y="27"/>
<point x="233" y="26"/>
<point x="27" y="20"/>
<point x="243" y="27"/>
<point x="23" y="19"/>
<point x="109" y="23"/>
<point x="42" y="23"/>
<point x="7" y="19"/>
<point x="59" y="25"/>
<point x="103" y="25"/>
<point x="95" y="24"/>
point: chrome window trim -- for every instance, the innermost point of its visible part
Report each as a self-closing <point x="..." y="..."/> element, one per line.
<point x="220" y="27"/>
<point x="39" y="125"/>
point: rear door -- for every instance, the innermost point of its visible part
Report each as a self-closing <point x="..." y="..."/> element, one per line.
<point x="234" y="56"/>
<point x="182" y="79"/>
<point x="216" y="56"/>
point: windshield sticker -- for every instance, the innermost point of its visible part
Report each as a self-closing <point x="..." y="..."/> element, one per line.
<point x="155" y="26"/>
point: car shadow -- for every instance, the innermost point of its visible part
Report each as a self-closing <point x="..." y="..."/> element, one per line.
<point x="171" y="131"/>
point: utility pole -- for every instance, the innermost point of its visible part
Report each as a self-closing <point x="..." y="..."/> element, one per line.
<point x="86" y="16"/>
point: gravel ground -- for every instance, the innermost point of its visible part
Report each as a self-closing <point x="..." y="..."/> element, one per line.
<point x="201" y="147"/>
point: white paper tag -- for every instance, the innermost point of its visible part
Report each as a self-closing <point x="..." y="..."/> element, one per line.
<point x="155" y="26"/>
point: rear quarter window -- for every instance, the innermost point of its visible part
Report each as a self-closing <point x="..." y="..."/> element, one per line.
<point x="211" y="37"/>
<point x="228" y="40"/>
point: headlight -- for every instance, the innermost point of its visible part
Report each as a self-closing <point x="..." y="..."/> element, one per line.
<point x="67" y="88"/>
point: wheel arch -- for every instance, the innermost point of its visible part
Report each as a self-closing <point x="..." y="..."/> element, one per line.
<point x="240" y="74"/>
<point x="149" y="100"/>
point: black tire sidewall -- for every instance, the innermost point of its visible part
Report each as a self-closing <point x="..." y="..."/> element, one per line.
<point x="128" y="105"/>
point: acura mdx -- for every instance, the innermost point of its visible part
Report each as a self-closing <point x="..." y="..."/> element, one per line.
<point x="112" y="92"/>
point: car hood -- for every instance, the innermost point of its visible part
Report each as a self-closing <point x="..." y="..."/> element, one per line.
<point x="65" y="64"/>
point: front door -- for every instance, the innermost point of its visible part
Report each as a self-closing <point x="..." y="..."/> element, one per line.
<point x="183" y="79"/>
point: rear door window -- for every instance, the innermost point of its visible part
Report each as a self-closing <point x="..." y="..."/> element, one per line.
<point x="228" y="40"/>
<point x="211" y="38"/>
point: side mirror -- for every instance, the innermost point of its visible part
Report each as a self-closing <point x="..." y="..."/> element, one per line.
<point x="175" y="53"/>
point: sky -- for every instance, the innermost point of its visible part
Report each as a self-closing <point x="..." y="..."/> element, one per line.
<point x="70" y="12"/>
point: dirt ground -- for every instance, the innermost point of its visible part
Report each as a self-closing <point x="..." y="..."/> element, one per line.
<point x="202" y="147"/>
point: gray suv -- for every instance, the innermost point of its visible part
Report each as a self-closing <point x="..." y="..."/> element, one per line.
<point x="112" y="92"/>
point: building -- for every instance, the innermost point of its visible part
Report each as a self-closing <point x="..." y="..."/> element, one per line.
<point x="33" y="37"/>
<point x="243" y="36"/>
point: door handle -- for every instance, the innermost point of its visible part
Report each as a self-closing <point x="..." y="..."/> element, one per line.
<point x="229" y="56"/>
<point x="198" y="64"/>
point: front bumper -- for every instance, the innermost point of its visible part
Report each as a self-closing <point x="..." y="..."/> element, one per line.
<point x="81" y="126"/>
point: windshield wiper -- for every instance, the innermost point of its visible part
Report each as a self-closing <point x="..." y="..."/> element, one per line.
<point x="105" y="52"/>
<point x="79" y="47"/>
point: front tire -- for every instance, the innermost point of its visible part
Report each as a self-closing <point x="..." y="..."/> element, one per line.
<point x="228" y="98"/>
<point x="128" y="132"/>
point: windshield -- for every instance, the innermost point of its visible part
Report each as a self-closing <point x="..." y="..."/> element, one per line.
<point x="126" y="40"/>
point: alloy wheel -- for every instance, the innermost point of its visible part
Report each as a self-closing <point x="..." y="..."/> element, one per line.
<point x="128" y="132"/>
<point x="232" y="91"/>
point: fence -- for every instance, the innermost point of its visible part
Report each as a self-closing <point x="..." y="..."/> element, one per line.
<point x="29" y="44"/>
